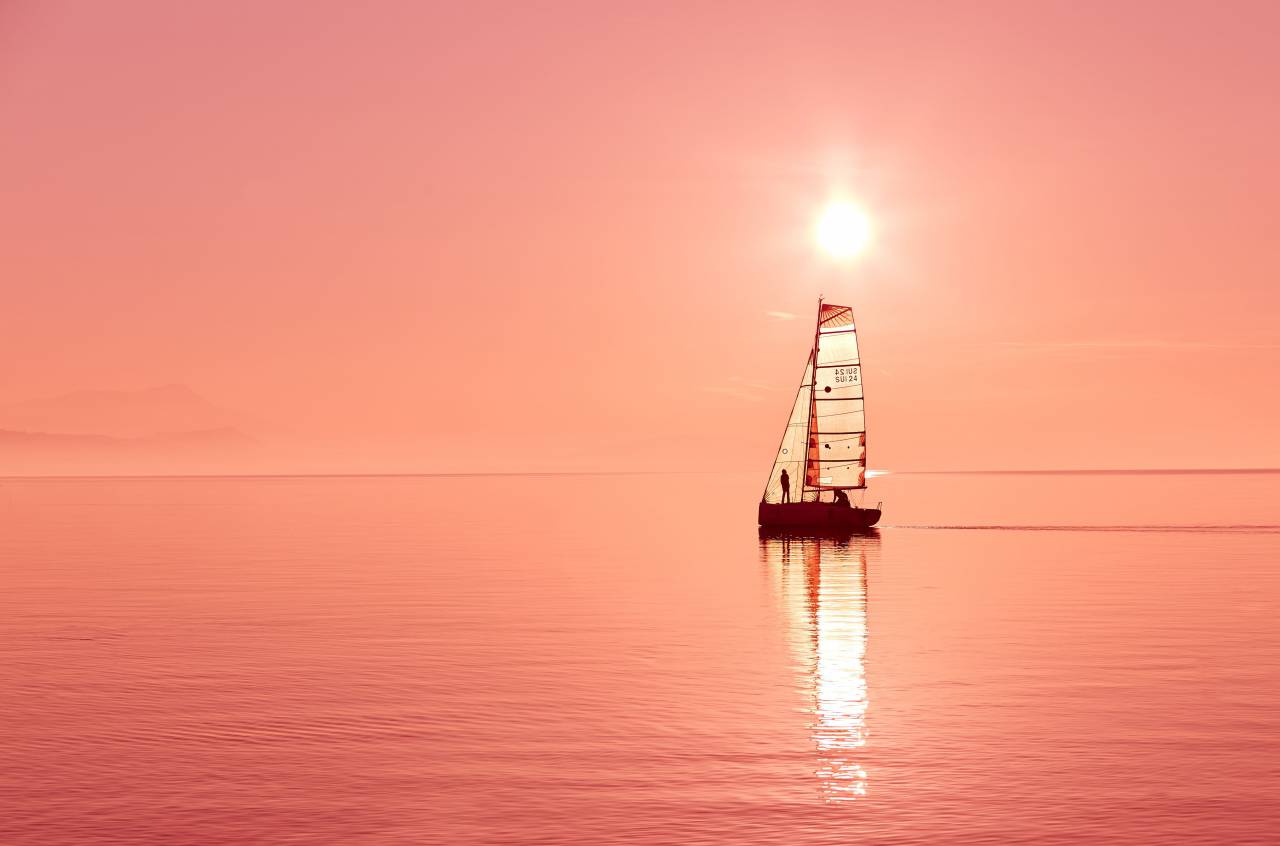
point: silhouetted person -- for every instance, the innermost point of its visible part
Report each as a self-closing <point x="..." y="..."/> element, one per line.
<point x="842" y="498"/>
<point x="786" y="486"/>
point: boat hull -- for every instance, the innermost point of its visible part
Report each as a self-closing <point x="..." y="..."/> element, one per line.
<point x="817" y="515"/>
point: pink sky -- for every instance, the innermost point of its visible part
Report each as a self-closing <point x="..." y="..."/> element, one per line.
<point x="520" y="236"/>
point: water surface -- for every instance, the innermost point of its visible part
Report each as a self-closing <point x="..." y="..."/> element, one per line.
<point x="624" y="659"/>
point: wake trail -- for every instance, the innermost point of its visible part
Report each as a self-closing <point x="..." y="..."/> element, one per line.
<point x="1257" y="528"/>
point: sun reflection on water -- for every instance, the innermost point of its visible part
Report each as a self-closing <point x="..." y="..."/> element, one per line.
<point x="822" y="587"/>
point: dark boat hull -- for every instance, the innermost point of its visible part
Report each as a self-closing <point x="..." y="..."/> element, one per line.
<point x="817" y="515"/>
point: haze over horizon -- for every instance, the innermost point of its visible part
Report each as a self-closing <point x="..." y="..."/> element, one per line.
<point x="489" y="239"/>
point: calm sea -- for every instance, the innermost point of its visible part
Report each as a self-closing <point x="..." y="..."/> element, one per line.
<point x="624" y="659"/>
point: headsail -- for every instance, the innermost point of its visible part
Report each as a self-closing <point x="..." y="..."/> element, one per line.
<point x="837" y="422"/>
<point x="791" y="457"/>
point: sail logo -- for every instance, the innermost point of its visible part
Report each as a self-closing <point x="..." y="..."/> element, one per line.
<point x="846" y="375"/>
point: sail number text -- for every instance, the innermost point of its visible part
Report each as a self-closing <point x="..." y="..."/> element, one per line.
<point x="846" y="375"/>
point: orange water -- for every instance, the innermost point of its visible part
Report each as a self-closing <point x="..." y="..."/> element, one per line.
<point x="622" y="659"/>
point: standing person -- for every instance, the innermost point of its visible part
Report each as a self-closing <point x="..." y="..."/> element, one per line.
<point x="786" y="486"/>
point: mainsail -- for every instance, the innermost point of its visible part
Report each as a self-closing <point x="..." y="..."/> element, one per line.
<point x="837" y="427"/>
<point x="828" y="414"/>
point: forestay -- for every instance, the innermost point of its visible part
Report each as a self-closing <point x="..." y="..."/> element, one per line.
<point x="791" y="451"/>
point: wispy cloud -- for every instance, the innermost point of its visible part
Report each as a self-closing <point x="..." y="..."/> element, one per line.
<point x="780" y="315"/>
<point x="1132" y="345"/>
<point x="740" y="388"/>
<point x="729" y="391"/>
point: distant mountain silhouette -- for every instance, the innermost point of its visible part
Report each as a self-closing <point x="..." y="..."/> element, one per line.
<point x="118" y="414"/>
<point x="52" y="440"/>
<point x="40" y="440"/>
<point x="168" y="429"/>
<point x="201" y="451"/>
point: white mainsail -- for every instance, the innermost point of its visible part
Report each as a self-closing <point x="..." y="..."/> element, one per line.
<point x="837" y="429"/>
<point x="828" y="412"/>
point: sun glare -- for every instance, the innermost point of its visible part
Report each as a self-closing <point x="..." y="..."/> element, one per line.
<point x="843" y="230"/>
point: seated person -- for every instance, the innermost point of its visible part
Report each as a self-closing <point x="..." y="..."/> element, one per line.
<point x="842" y="498"/>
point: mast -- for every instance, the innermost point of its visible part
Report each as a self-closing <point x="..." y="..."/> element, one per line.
<point x="813" y="382"/>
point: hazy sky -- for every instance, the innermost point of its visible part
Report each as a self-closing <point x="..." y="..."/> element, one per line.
<point x="504" y="236"/>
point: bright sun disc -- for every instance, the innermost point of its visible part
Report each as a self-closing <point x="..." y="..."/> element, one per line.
<point x="843" y="230"/>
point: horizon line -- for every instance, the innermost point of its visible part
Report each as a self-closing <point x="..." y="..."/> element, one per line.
<point x="1113" y="471"/>
<point x="425" y="475"/>
<point x="1104" y="471"/>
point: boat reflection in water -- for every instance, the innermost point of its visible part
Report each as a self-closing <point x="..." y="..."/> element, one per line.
<point x="821" y="584"/>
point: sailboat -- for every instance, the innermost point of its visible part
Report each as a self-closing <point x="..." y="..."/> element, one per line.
<point x="824" y="447"/>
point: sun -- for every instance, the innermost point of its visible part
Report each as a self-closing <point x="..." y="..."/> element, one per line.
<point x="843" y="230"/>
